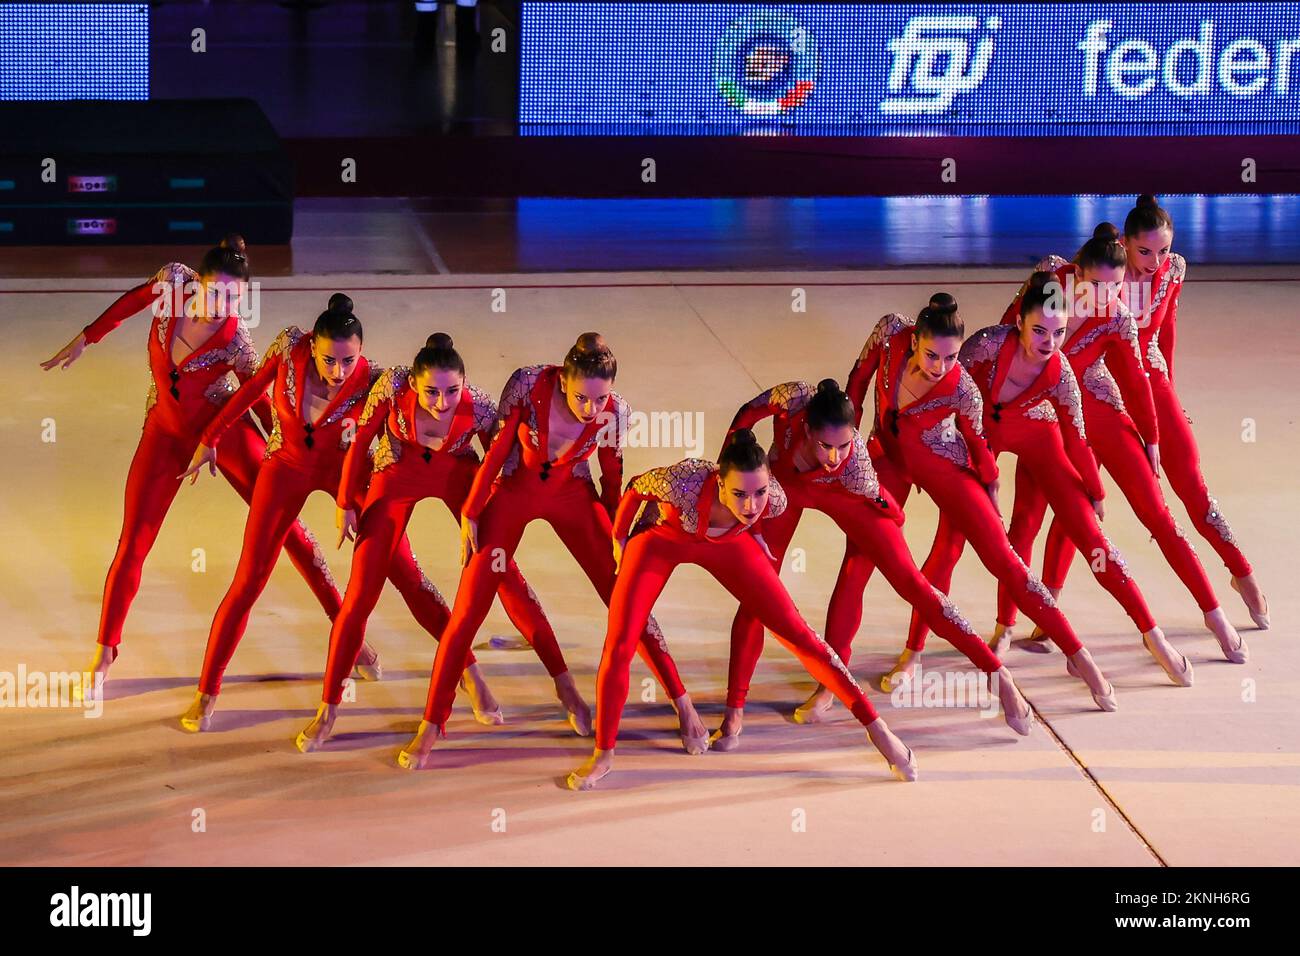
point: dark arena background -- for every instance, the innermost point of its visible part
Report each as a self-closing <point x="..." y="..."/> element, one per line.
<point x="733" y="195"/>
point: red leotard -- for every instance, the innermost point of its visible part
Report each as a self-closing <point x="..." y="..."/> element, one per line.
<point x="1180" y="458"/>
<point x="1121" y="419"/>
<point x="182" y="400"/>
<point x="301" y="457"/>
<point x="673" y="530"/>
<point x="1043" y="427"/>
<point x="851" y="495"/>
<point x="404" y="473"/>
<point x="938" y="444"/>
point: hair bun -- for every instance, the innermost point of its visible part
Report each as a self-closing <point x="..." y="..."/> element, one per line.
<point x="235" y="241"/>
<point x="590" y="342"/>
<point x="828" y="385"/>
<point x="743" y="436"/>
<point x="943" y="302"/>
<point x="1039" y="279"/>
<point x="439" y="340"/>
<point x="340" y="303"/>
<point x="1106" y="230"/>
<point x="1146" y="199"/>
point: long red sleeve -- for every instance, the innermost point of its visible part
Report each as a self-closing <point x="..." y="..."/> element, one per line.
<point x="628" y="508"/>
<point x="125" y="306"/>
<point x="251" y="392"/>
<point x="611" y="475"/>
<point x="493" y="462"/>
<point x="1070" y="418"/>
<point x="864" y="369"/>
<point x="356" y="463"/>
<point x="1123" y="362"/>
<point x="1167" y="333"/>
<point x="982" y="460"/>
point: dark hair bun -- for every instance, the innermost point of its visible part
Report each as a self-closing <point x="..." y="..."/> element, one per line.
<point x="1106" y="230"/>
<point x="1146" y="199"/>
<point x="340" y="303"/>
<point x="591" y="342"/>
<point x="828" y="385"/>
<point x="1039" y="279"/>
<point x="439" y="340"/>
<point x="742" y="437"/>
<point x="943" y="302"/>
<point x="235" y="242"/>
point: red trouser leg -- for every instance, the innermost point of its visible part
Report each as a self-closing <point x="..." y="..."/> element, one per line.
<point x="239" y="457"/>
<point x="937" y="570"/>
<point x="500" y="527"/>
<point x="961" y="494"/>
<point x="583" y="525"/>
<point x="1120" y="450"/>
<point x="423" y="599"/>
<point x="521" y="604"/>
<point x="1075" y="516"/>
<point x="1027" y="513"/>
<point x="746" y="631"/>
<point x="278" y="497"/>
<point x="648" y="560"/>
<point x="151" y="485"/>
<point x="381" y="526"/>
<point x="1180" y="459"/>
<point x="844" y="613"/>
<point x="742" y="568"/>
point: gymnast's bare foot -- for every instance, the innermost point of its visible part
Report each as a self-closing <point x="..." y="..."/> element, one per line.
<point x="727" y="737"/>
<point x="579" y="713"/>
<point x="367" y="666"/>
<point x="414" y="755"/>
<point x="695" y="736"/>
<point x="1256" y="603"/>
<point x="901" y="672"/>
<point x="597" y="767"/>
<point x="318" y="731"/>
<point x="815" y="708"/>
<point x="486" y="709"/>
<point x="92" y="687"/>
<point x="1003" y="635"/>
<point x="899" y="756"/>
<point x="1231" y="643"/>
<point x="199" y="716"/>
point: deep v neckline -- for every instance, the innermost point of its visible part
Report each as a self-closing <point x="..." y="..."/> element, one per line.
<point x="360" y="373"/>
<point x="194" y="352"/>
<point x="544" y="425"/>
<point x="1003" y="371"/>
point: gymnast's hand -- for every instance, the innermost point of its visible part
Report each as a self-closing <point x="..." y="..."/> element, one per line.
<point x="68" y="354"/>
<point x="468" y="539"/>
<point x="345" y="519"/>
<point x="763" y="544"/>
<point x="203" y="455"/>
<point x="620" y="545"/>
<point x="1100" y="509"/>
<point x="1153" y="456"/>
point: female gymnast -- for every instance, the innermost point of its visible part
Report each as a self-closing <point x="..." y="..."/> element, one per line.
<point x="1101" y="345"/>
<point x="821" y="462"/>
<point x="929" y="431"/>
<point x="552" y="418"/>
<point x="700" y="513"/>
<point x="196" y="339"/>
<point x="424" y="418"/>
<point x="1033" y="409"/>
<point x="317" y="381"/>
<point x="1159" y="275"/>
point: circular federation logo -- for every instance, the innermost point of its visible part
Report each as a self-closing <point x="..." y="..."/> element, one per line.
<point x="765" y="64"/>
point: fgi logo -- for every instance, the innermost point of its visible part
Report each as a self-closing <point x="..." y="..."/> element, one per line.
<point x="933" y="62"/>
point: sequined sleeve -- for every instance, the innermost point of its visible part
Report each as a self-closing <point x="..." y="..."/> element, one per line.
<point x="970" y="422"/>
<point x="510" y="413"/>
<point x="776" y="499"/>
<point x="785" y="399"/>
<point x="1124" y="362"/>
<point x="356" y="463"/>
<point x="1168" y="328"/>
<point x="869" y="360"/>
<point x="1068" y="402"/>
<point x="486" y="421"/>
<point x="609" y="452"/>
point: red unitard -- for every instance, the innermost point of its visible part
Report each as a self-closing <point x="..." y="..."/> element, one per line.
<point x="1043" y="427"/>
<point x="301" y="457"/>
<point x="183" y="398"/>
<point x="521" y="482"/>
<point x="938" y="444"/>
<point x="1180" y="459"/>
<point x="1121" y="420"/>
<point x="674" y="529"/>
<point x="404" y="473"/>
<point x="851" y="495"/>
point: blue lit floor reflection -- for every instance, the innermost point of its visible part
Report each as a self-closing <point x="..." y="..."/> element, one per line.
<point x="554" y="235"/>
